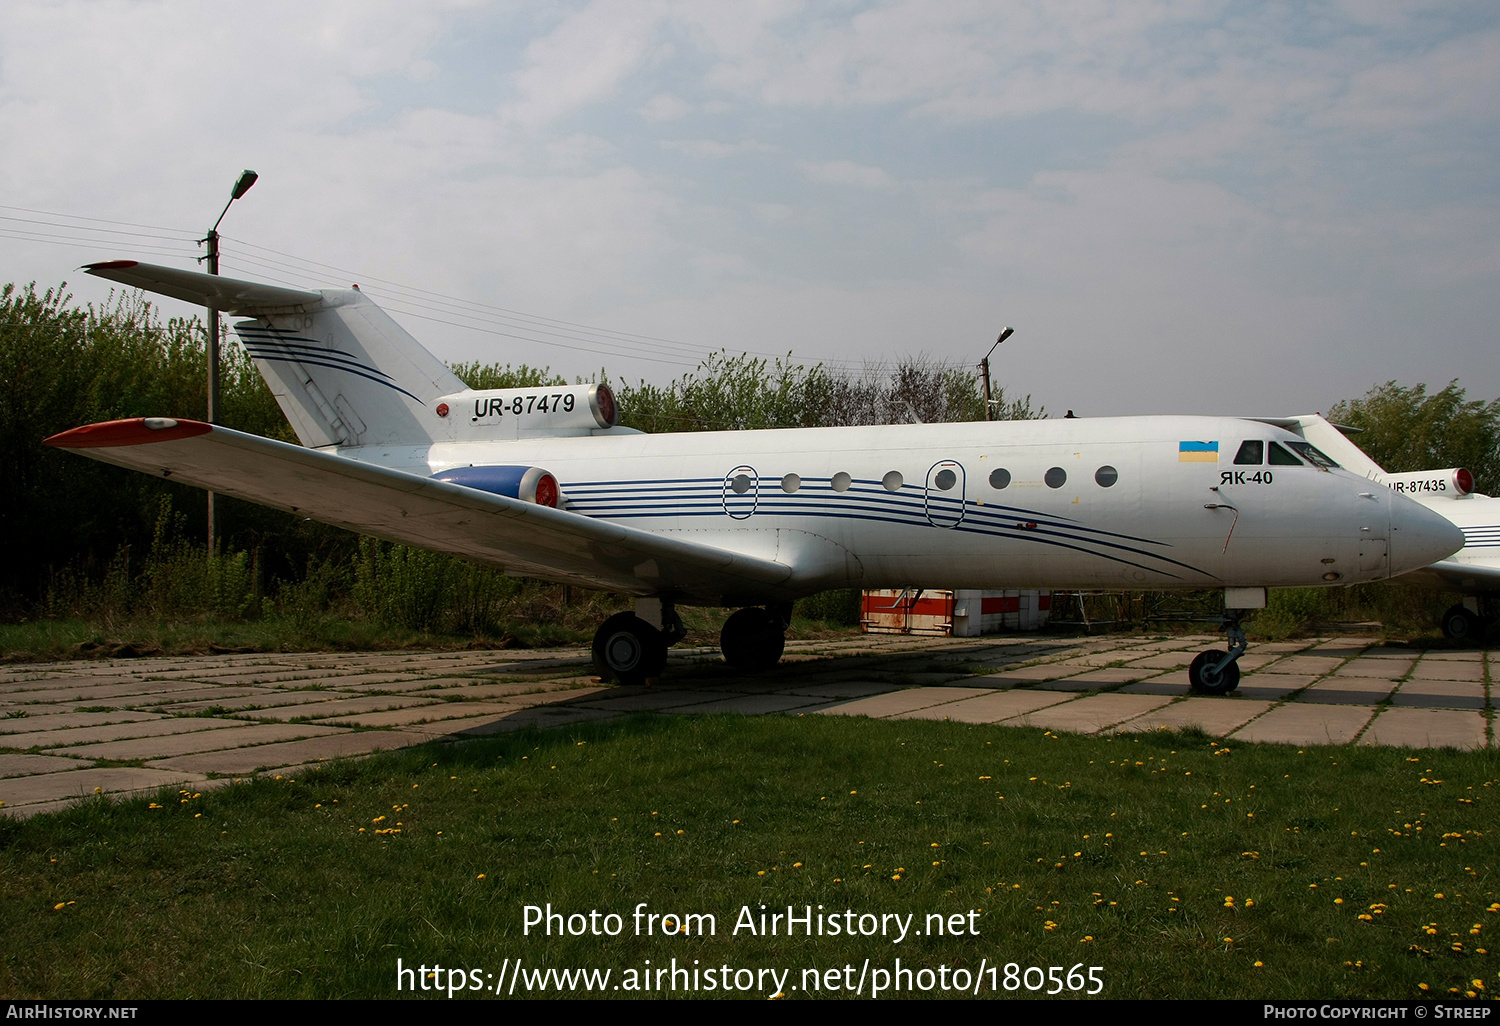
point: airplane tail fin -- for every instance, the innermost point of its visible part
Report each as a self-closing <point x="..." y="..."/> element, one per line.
<point x="342" y="370"/>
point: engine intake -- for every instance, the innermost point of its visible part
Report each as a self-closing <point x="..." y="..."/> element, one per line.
<point x="529" y="484"/>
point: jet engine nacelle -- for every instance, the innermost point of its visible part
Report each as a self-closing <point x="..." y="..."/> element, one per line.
<point x="529" y="484"/>
<point x="544" y="411"/>
<point x="1453" y="483"/>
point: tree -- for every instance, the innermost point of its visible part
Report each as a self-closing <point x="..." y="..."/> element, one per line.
<point x="63" y="366"/>
<point x="1405" y="429"/>
<point x="729" y="393"/>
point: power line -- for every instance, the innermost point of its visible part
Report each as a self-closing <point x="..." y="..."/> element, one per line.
<point x="433" y="306"/>
<point x="102" y="220"/>
<point x="500" y="314"/>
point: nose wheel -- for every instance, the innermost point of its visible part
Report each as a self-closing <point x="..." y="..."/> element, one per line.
<point x="1218" y="673"/>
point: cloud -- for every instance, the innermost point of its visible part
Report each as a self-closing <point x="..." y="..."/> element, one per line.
<point x="712" y="149"/>
<point x="582" y="61"/>
<point x="846" y="172"/>
<point x="664" y="107"/>
<point x="1120" y="181"/>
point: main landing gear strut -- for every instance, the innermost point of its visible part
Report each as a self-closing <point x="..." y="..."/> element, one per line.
<point x="630" y="648"/>
<point x="1218" y="673"/>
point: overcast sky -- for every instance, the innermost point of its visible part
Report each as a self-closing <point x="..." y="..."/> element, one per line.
<point x="1180" y="207"/>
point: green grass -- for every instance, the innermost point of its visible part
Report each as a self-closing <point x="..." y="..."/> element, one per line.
<point x="284" y="887"/>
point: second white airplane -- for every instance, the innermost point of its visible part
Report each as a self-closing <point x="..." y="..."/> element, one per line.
<point x="1473" y="571"/>
<point x="542" y="482"/>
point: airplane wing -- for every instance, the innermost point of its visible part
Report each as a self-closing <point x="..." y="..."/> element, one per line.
<point x="1451" y="575"/>
<point x="518" y="537"/>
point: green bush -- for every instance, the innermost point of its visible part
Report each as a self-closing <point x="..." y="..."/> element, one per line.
<point x="841" y="607"/>
<point x="426" y="591"/>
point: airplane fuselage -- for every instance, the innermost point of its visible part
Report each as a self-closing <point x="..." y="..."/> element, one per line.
<point x="1141" y="502"/>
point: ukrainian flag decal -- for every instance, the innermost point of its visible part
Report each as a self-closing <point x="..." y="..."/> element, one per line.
<point x="1197" y="452"/>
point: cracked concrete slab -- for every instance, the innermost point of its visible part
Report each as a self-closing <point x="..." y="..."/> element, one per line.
<point x="1299" y="723"/>
<point x="156" y="748"/>
<point x="1216" y="717"/>
<point x="992" y="708"/>
<point x="1092" y="714"/>
<point x="1427" y="728"/>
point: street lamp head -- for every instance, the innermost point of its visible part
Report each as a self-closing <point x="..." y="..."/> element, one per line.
<point x="247" y="178"/>
<point x="1007" y="333"/>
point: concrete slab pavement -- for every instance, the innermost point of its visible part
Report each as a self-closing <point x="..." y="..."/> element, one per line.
<point x="123" y="725"/>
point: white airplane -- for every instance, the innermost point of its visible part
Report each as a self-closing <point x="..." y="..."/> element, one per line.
<point x="1475" y="569"/>
<point x="542" y="482"/>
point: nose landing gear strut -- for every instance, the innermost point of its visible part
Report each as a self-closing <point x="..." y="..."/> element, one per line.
<point x="1218" y="673"/>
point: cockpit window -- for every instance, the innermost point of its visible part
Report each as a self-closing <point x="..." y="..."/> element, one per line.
<point x="1280" y="457"/>
<point x="1313" y="455"/>
<point x="1250" y="454"/>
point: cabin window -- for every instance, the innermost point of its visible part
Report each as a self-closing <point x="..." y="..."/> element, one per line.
<point x="1279" y="457"/>
<point x="841" y="482"/>
<point x="1250" y="454"/>
<point x="892" y="481"/>
<point x="741" y="484"/>
<point x="944" y="480"/>
<point x="791" y="483"/>
<point x="999" y="478"/>
<point x="1106" y="476"/>
<point x="1056" y="477"/>
<point x="1313" y="455"/>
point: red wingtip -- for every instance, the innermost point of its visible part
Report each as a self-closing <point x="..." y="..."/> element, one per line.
<point x="111" y="265"/>
<point x="134" y="431"/>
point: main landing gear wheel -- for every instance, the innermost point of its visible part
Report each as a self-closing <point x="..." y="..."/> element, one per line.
<point x="753" y="639"/>
<point x="1462" y="624"/>
<point x="1206" y="678"/>
<point x="629" y="650"/>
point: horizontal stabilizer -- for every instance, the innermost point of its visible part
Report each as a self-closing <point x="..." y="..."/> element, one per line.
<point x="518" y="537"/>
<point x="247" y="298"/>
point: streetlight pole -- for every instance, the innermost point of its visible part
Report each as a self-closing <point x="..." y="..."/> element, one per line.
<point x="984" y="366"/>
<point x="241" y="186"/>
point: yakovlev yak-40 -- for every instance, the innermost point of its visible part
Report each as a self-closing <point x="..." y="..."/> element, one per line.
<point x="542" y="482"/>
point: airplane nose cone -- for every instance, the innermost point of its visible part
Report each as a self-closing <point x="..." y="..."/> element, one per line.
<point x="1419" y="536"/>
